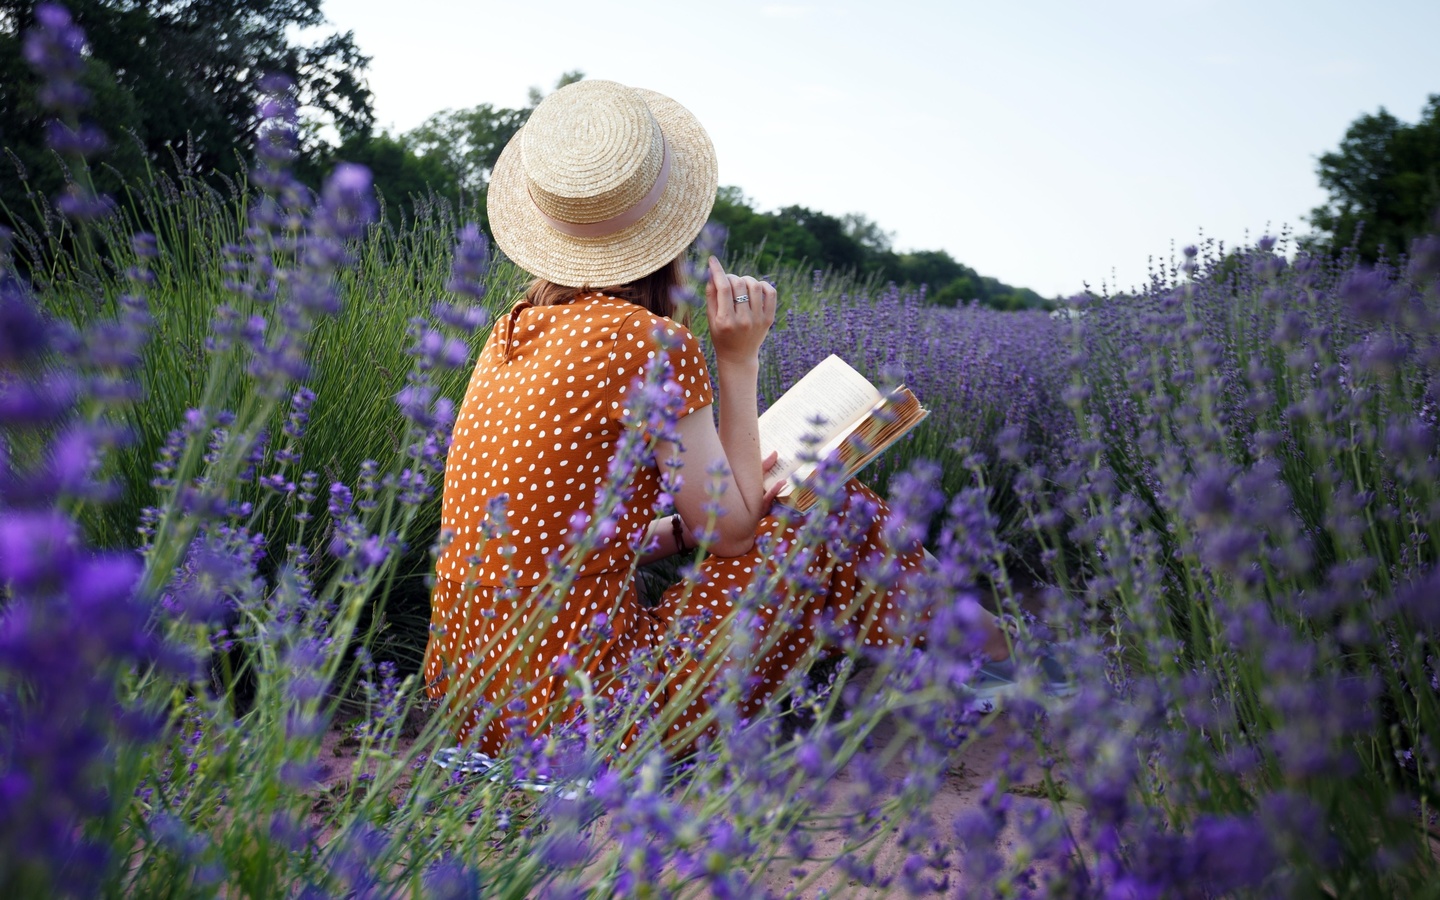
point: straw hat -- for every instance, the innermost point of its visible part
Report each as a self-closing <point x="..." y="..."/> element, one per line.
<point x="603" y="185"/>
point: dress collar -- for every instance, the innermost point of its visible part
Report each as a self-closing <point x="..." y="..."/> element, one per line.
<point x="507" y="335"/>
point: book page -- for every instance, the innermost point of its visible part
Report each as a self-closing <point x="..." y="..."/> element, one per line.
<point x="832" y="390"/>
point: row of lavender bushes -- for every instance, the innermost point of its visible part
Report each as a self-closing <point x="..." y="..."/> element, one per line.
<point x="1250" y="503"/>
<point x="1230" y="479"/>
<point x="1227" y="480"/>
<point x="991" y="380"/>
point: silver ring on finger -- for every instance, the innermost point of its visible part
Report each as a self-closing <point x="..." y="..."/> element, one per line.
<point x="743" y="298"/>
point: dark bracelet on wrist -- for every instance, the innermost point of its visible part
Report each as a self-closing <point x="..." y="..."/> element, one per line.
<point x="677" y="529"/>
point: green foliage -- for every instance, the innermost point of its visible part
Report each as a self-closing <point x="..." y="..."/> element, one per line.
<point x="30" y="170"/>
<point x="449" y="156"/>
<point x="1384" y="184"/>
<point x="954" y="283"/>
<point x="467" y="142"/>
<point x="770" y="237"/>
<point x="179" y="79"/>
<point x="193" y="65"/>
<point x="402" y="176"/>
<point x="358" y="358"/>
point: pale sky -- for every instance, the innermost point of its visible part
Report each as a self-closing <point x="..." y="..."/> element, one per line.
<point x="1048" y="144"/>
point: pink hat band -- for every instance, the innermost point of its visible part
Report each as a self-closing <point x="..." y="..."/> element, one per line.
<point x="619" y="222"/>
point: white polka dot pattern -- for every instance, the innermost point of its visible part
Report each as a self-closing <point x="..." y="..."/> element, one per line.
<point x="540" y="417"/>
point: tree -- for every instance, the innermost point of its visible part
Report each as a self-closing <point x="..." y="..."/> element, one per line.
<point x="837" y="249"/>
<point x="869" y="235"/>
<point x="935" y="268"/>
<point x="191" y="69"/>
<point x="791" y="234"/>
<point x="748" y="231"/>
<point x="536" y="95"/>
<point x="113" y="109"/>
<point x="1386" y="175"/>
<point x="400" y="174"/>
<point x="467" y="142"/>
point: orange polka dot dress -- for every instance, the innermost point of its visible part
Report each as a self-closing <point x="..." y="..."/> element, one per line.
<point x="537" y="429"/>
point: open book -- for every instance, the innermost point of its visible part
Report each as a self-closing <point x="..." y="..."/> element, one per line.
<point x="859" y="423"/>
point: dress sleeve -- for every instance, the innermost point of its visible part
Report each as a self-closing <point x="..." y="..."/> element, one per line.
<point x="637" y="343"/>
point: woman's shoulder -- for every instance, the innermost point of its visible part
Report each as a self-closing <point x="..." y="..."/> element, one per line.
<point x="590" y="316"/>
<point x="598" y="314"/>
<point x="628" y="322"/>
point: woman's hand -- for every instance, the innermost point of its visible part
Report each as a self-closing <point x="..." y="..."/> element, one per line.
<point x="741" y="310"/>
<point x="767" y="465"/>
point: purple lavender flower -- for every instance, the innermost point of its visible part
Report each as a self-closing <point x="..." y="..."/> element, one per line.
<point x="467" y="273"/>
<point x="347" y="202"/>
<point x="55" y="49"/>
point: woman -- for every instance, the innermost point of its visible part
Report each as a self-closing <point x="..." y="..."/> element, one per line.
<point x="598" y="197"/>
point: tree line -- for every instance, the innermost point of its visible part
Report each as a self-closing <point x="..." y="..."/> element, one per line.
<point x="854" y="243"/>
<point x="174" y="84"/>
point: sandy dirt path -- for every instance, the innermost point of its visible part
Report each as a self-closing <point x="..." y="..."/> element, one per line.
<point x="961" y="789"/>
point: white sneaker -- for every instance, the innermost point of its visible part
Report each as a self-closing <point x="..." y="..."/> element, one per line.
<point x="473" y="762"/>
<point x="994" y="681"/>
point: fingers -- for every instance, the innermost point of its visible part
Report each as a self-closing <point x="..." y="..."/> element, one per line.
<point x="753" y="306"/>
<point x="740" y="310"/>
<point x="718" y="278"/>
<point x="723" y="288"/>
<point x="762" y="296"/>
<point x="738" y="290"/>
<point x="768" y="501"/>
<point x="717" y="306"/>
<point x="751" y="288"/>
<point x="769" y="462"/>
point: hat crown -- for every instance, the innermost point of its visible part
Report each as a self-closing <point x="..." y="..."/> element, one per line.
<point x="604" y="185"/>
<point x="591" y="151"/>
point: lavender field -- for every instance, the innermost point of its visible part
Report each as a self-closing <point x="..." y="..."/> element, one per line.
<point x="225" y="415"/>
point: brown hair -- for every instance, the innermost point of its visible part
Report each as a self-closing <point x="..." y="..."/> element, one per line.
<point x="655" y="291"/>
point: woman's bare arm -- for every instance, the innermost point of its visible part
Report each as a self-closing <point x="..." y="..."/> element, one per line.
<point x="740" y="312"/>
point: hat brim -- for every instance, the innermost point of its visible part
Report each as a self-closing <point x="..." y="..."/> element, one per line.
<point x="627" y="255"/>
